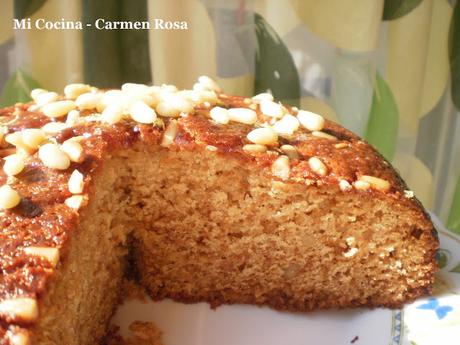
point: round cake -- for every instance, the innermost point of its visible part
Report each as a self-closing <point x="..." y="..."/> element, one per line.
<point x="199" y="196"/>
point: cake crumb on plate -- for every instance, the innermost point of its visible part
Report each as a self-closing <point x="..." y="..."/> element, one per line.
<point x="143" y="333"/>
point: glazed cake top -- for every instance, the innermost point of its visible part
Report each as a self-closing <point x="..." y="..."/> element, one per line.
<point x="52" y="148"/>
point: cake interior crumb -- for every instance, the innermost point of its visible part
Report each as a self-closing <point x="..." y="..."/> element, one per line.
<point x="132" y="290"/>
<point x="202" y="227"/>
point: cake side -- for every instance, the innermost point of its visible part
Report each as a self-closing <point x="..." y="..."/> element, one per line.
<point x="310" y="152"/>
<point x="209" y="236"/>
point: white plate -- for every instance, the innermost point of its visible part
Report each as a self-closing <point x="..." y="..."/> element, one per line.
<point x="429" y="321"/>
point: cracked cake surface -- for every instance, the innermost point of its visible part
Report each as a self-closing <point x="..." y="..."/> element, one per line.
<point x="55" y="147"/>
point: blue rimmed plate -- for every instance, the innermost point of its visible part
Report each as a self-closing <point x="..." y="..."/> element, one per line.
<point x="436" y="320"/>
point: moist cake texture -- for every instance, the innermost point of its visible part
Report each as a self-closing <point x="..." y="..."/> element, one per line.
<point x="201" y="196"/>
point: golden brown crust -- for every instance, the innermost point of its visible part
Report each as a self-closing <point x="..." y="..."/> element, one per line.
<point x="43" y="219"/>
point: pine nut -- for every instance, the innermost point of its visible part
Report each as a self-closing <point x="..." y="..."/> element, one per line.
<point x="76" y="182"/>
<point x="88" y="100"/>
<point x="351" y="252"/>
<point x="255" y="148"/>
<point x="242" y="115"/>
<point x="409" y="194"/>
<point x="341" y="145"/>
<point x="209" y="83"/>
<point x="74" y="202"/>
<point x="350" y="241"/>
<point x="111" y="97"/>
<point x="33" y="137"/>
<point x="170" y="133"/>
<point x="311" y="121"/>
<point x="78" y="138"/>
<point x="36" y="92"/>
<point x="58" y="108"/>
<point x="9" y="198"/>
<point x="199" y="87"/>
<point x="287" y="125"/>
<point x="182" y="104"/>
<point x="142" y="113"/>
<point x="220" y="115"/>
<point x="95" y="117"/>
<point x="320" y="134"/>
<point x="263" y="136"/>
<point x="112" y="114"/>
<point x="317" y="166"/>
<point x="49" y="253"/>
<point x="135" y="87"/>
<point x="72" y="118"/>
<point x="19" y="338"/>
<point x="361" y="185"/>
<point x="72" y="91"/>
<point x="54" y="127"/>
<point x="23" y="308"/>
<point x="16" y="140"/>
<point x="376" y="182"/>
<point x="53" y="157"/>
<point x="166" y="96"/>
<point x="73" y="149"/>
<point x="272" y="109"/>
<point x="290" y="151"/>
<point x="204" y="96"/>
<point x="45" y="98"/>
<point x="14" y="164"/>
<point x="151" y="99"/>
<point x="187" y="94"/>
<point x="344" y="185"/>
<point x="167" y="109"/>
<point x="264" y="96"/>
<point x="281" y="168"/>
